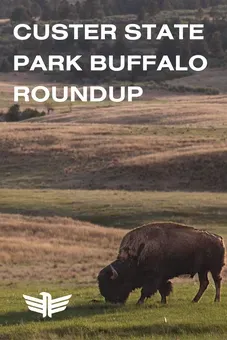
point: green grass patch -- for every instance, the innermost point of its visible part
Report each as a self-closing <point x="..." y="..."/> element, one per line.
<point x="121" y="209"/>
<point x="84" y="319"/>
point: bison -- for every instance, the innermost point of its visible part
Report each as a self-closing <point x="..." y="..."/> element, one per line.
<point x="151" y="255"/>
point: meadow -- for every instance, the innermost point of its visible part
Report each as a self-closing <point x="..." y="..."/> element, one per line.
<point x="74" y="182"/>
<point x="84" y="319"/>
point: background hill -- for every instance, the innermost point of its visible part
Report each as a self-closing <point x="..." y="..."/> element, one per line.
<point x="165" y="144"/>
<point x="71" y="250"/>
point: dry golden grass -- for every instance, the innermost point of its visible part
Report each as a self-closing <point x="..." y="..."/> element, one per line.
<point x="171" y="111"/>
<point x="176" y="143"/>
<point x="4" y="21"/>
<point x="156" y="107"/>
<point x="54" y="249"/>
<point x="177" y="111"/>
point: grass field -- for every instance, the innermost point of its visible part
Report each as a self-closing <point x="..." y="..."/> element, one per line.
<point x="120" y="209"/>
<point x="73" y="183"/>
<point x="84" y="319"/>
<point x="143" y="146"/>
<point x="76" y="250"/>
<point x="53" y="250"/>
<point x="212" y="78"/>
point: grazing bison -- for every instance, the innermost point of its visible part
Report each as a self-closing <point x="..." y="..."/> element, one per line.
<point x="151" y="255"/>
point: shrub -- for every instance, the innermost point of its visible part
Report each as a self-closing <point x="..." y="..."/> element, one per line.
<point x="15" y="115"/>
<point x="31" y="113"/>
<point x="183" y="88"/>
<point x="20" y="14"/>
<point x="5" y="66"/>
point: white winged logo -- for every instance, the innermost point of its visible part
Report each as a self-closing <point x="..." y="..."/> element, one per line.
<point x="47" y="306"/>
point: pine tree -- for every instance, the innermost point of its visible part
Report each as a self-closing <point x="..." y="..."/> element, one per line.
<point x="200" y="47"/>
<point x="6" y="66"/>
<point x="35" y="10"/>
<point x="63" y="10"/>
<point x="200" y="13"/>
<point x="107" y="7"/>
<point x="73" y="12"/>
<point x="54" y="5"/>
<point x="216" y="47"/>
<point x="170" y="48"/>
<point x="20" y="14"/>
<point x="120" y="46"/>
<point x="214" y="13"/>
<point x="165" y="5"/>
<point x="224" y="39"/>
<point x="152" y="7"/>
<point x="204" y="3"/>
<point x="46" y="10"/>
<point x="78" y="9"/>
<point x="13" y="114"/>
<point x="142" y="14"/>
<point x="214" y="2"/>
<point x="93" y="9"/>
<point x="185" y="52"/>
<point x="198" y="4"/>
<point x="25" y="3"/>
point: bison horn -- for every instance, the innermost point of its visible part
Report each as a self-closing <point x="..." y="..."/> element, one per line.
<point x="115" y="274"/>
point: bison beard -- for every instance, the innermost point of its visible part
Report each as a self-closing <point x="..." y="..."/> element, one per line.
<point x="149" y="256"/>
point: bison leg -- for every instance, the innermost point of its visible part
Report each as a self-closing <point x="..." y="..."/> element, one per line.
<point x="148" y="290"/>
<point x="165" y="289"/>
<point x="163" y="298"/>
<point x="203" y="280"/>
<point x="217" y="281"/>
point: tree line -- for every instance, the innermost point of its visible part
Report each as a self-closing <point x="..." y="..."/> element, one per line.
<point x="89" y="9"/>
<point x="214" y="46"/>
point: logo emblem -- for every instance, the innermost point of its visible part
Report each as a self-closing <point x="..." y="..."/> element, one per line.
<point x="47" y="306"/>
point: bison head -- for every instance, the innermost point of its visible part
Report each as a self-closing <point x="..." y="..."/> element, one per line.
<point x="117" y="280"/>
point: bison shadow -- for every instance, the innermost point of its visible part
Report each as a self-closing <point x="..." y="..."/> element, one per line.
<point x="23" y="317"/>
<point x="158" y="329"/>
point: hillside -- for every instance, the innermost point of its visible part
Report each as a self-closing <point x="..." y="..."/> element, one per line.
<point x="170" y="143"/>
<point x="210" y="78"/>
<point x="71" y="250"/>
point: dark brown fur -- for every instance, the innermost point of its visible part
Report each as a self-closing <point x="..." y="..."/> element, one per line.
<point x="153" y="254"/>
